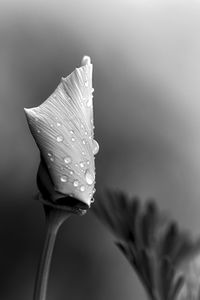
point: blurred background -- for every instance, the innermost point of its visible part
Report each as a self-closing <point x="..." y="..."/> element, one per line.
<point x="146" y="57"/>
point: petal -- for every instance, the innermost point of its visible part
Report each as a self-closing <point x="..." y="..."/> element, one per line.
<point x="62" y="127"/>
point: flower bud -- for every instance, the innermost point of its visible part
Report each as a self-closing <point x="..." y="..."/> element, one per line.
<point x="62" y="127"/>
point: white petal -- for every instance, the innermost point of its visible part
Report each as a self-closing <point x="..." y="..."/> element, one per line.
<point x="63" y="130"/>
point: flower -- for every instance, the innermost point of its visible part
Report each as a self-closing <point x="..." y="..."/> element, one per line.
<point x="62" y="127"/>
<point x="152" y="243"/>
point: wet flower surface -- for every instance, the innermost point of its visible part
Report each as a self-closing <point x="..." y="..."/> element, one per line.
<point x="154" y="245"/>
<point x="63" y="129"/>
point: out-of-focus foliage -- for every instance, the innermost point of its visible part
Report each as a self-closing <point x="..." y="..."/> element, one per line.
<point x="153" y="244"/>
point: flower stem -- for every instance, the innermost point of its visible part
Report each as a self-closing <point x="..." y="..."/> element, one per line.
<point x="54" y="219"/>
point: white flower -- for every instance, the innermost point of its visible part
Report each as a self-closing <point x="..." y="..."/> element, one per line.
<point x="62" y="127"/>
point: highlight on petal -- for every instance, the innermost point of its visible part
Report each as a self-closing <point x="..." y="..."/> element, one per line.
<point x="62" y="127"/>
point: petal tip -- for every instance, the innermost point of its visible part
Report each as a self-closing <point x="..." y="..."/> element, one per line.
<point x="85" y="60"/>
<point x="28" y="111"/>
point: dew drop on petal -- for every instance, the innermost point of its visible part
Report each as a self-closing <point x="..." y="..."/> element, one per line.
<point x="71" y="131"/>
<point x="38" y="131"/>
<point x="95" y="147"/>
<point x="87" y="162"/>
<point x="67" y="159"/>
<point x="49" y="154"/>
<point x="81" y="164"/>
<point x="73" y="139"/>
<point x="82" y="188"/>
<point x="58" y="124"/>
<point x="63" y="178"/>
<point x="84" y="142"/>
<point x="59" y="138"/>
<point x="51" y="159"/>
<point x="92" y="200"/>
<point x="83" y="153"/>
<point x="82" y="127"/>
<point x="89" y="177"/>
<point x="75" y="183"/>
<point x="94" y="190"/>
<point x="71" y="172"/>
<point x="51" y="125"/>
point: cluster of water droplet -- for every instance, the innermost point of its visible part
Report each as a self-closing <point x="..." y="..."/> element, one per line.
<point x="83" y="170"/>
<point x="83" y="166"/>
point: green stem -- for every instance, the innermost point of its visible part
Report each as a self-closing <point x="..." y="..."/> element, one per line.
<point x="54" y="219"/>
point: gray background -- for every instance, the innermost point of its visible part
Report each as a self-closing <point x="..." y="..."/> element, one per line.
<point x="146" y="57"/>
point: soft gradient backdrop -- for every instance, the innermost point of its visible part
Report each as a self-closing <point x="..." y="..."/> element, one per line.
<point x="146" y="57"/>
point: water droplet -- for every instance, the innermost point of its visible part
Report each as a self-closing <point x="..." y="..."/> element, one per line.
<point x="86" y="133"/>
<point x="92" y="200"/>
<point x="81" y="164"/>
<point x="71" y="131"/>
<point x="71" y="172"/>
<point x="59" y="138"/>
<point x="89" y="177"/>
<point x="63" y="178"/>
<point x="73" y="139"/>
<point x="82" y="188"/>
<point x="51" y="159"/>
<point x="38" y="131"/>
<point x="76" y="165"/>
<point x="67" y="160"/>
<point x="95" y="147"/>
<point x="49" y="154"/>
<point x="75" y="183"/>
<point x="90" y="137"/>
<point x="82" y="127"/>
<point x="83" y="153"/>
<point x="84" y="142"/>
<point x="86" y="83"/>
<point x="94" y="190"/>
<point x="54" y="96"/>
<point x="58" y="124"/>
<point x="87" y="162"/>
<point x="51" y="125"/>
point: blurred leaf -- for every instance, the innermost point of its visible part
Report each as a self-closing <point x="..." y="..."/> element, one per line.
<point x="152" y="243"/>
